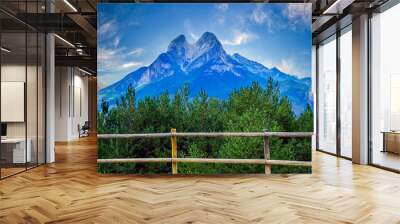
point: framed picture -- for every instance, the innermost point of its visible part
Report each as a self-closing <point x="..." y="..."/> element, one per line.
<point x="204" y="68"/>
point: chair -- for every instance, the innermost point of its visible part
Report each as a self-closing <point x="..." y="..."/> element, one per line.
<point x="84" y="130"/>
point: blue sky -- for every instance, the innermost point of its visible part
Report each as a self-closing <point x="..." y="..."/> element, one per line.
<point x="133" y="35"/>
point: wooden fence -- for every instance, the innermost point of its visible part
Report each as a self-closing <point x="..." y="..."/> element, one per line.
<point x="173" y="135"/>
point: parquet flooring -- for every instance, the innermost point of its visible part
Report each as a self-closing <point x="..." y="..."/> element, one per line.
<point x="10" y="171"/>
<point x="70" y="191"/>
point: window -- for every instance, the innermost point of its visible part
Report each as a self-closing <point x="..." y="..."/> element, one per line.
<point x="327" y="95"/>
<point x="22" y="77"/>
<point x="346" y="93"/>
<point x="385" y="88"/>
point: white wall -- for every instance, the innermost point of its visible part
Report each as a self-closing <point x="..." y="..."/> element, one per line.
<point x="71" y="103"/>
<point x="33" y="126"/>
<point x="62" y="82"/>
<point x="17" y="73"/>
<point x="13" y="101"/>
<point x="12" y="73"/>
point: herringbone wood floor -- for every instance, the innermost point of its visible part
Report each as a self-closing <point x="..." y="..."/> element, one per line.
<point x="70" y="191"/>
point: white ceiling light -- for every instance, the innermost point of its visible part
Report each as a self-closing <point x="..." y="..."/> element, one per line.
<point x="65" y="41"/>
<point x="5" y="50"/>
<point x="84" y="71"/>
<point x="70" y="5"/>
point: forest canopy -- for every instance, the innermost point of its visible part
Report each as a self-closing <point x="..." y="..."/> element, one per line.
<point x="249" y="109"/>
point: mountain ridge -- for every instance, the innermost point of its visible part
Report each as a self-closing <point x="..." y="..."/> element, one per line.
<point x="205" y="64"/>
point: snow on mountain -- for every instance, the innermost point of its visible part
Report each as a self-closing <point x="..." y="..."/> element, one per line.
<point x="205" y="65"/>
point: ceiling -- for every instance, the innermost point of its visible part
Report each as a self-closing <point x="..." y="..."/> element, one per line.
<point x="75" y="22"/>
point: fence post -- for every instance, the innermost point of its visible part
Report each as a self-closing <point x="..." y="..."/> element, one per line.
<point x="174" y="151"/>
<point x="267" y="154"/>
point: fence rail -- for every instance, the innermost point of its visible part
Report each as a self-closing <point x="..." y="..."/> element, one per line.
<point x="206" y="160"/>
<point x="208" y="134"/>
<point x="174" y="160"/>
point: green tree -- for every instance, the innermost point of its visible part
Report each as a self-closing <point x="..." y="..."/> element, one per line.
<point x="249" y="109"/>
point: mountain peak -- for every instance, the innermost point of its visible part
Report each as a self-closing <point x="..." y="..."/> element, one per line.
<point x="206" y="48"/>
<point x="208" y="44"/>
<point x="207" y="37"/>
<point x="178" y="43"/>
<point x="179" y="39"/>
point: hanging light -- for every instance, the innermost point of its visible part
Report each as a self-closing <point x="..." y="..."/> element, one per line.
<point x="5" y="50"/>
<point x="70" y="5"/>
<point x="64" y="40"/>
<point x="84" y="71"/>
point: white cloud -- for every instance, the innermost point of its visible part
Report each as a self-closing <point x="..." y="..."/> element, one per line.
<point x="131" y="64"/>
<point x="222" y="7"/>
<point x="220" y="19"/>
<point x="105" y="54"/>
<point x="116" y="41"/>
<point x="187" y="25"/>
<point x="292" y="16"/>
<point x="114" y="63"/>
<point x="265" y="17"/>
<point x="241" y="21"/>
<point x="136" y="52"/>
<point x="239" y="38"/>
<point x="220" y="13"/>
<point x="288" y="66"/>
<point x="259" y="15"/>
<point x="298" y="12"/>
<point x="298" y="15"/>
<point x="269" y="64"/>
<point x="108" y="29"/>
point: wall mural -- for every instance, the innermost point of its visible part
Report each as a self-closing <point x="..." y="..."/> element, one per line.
<point x="209" y="68"/>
